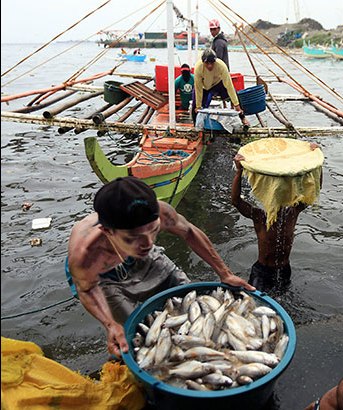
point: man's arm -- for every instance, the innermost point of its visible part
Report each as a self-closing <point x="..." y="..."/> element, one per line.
<point x="198" y="241"/>
<point x="243" y="206"/>
<point x="94" y="301"/>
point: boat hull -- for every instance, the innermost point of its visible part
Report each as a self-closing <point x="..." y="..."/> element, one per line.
<point x="170" y="180"/>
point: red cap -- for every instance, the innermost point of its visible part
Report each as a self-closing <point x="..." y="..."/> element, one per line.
<point x="214" y="23"/>
<point x="185" y="69"/>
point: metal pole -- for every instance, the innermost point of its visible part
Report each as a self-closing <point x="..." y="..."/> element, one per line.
<point x="189" y="33"/>
<point x="171" y="71"/>
<point x="196" y="29"/>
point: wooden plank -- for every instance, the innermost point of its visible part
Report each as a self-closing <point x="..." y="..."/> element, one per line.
<point x="152" y="98"/>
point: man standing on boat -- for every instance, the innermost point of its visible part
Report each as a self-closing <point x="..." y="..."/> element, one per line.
<point x="185" y="83"/>
<point x="212" y="78"/>
<point x="219" y="42"/>
<point x="114" y="262"/>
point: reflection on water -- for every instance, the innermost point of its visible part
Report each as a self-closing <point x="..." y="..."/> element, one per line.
<point x="52" y="172"/>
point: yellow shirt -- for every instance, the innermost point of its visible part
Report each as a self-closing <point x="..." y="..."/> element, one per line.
<point x="205" y="79"/>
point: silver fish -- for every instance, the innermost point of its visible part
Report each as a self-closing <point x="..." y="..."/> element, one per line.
<point x="254" y="370"/>
<point x="194" y="311"/>
<point x="212" y="302"/>
<point x="193" y="385"/>
<point x="264" y="310"/>
<point x="184" y="328"/>
<point x="203" y="353"/>
<point x="216" y="379"/>
<point x="163" y="346"/>
<point x="280" y="347"/>
<point x="186" y="341"/>
<point x="191" y="369"/>
<point x="209" y="324"/>
<point x="269" y="359"/>
<point x="187" y="300"/>
<point x="155" y="329"/>
<point x="174" y="321"/>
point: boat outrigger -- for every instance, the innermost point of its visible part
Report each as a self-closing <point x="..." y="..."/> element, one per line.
<point x="169" y="148"/>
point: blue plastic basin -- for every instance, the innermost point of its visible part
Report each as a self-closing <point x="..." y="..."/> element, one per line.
<point x="164" y="396"/>
<point x="252" y="100"/>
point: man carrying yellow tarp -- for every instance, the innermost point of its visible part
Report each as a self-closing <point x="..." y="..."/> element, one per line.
<point x="285" y="176"/>
<point x="33" y="382"/>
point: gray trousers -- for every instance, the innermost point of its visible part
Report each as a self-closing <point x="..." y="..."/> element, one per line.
<point x="136" y="283"/>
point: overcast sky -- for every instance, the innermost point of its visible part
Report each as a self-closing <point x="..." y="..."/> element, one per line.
<point x="38" y="21"/>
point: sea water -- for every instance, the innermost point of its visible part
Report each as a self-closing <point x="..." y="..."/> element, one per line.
<point x="51" y="171"/>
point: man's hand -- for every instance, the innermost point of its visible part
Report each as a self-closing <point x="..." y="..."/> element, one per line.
<point x="238" y="158"/>
<point x="235" y="280"/>
<point x="313" y="146"/>
<point x="116" y="341"/>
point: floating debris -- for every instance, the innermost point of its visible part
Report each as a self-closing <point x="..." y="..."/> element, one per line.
<point x="36" y="242"/>
<point x="41" y="223"/>
<point x="26" y="206"/>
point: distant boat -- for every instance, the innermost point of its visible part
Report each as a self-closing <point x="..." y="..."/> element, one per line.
<point x="336" y="52"/>
<point x="315" y="52"/>
<point x="133" y="57"/>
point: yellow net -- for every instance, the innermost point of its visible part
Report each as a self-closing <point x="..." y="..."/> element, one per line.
<point x="282" y="172"/>
<point x="33" y="382"/>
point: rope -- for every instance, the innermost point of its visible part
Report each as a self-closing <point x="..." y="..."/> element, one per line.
<point x="37" y="310"/>
<point x="73" y="46"/>
<point x="58" y="35"/>
<point x="281" y="50"/>
<point x="96" y="58"/>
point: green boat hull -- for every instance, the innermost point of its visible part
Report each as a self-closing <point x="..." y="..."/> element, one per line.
<point x="169" y="187"/>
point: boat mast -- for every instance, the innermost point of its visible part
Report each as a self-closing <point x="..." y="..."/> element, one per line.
<point x="171" y="71"/>
<point x="189" y="33"/>
<point x="196" y="43"/>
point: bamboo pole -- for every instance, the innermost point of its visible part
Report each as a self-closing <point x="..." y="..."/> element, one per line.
<point x="100" y="118"/>
<point x="63" y="130"/>
<point x="75" y="101"/>
<point x="145" y="113"/>
<point x="129" y="112"/>
<point x="135" y="127"/>
<point x="46" y="104"/>
<point x="148" y="116"/>
<point x="56" y="87"/>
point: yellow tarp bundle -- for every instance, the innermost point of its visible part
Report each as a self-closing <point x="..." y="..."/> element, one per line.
<point x="30" y="381"/>
<point x="282" y="172"/>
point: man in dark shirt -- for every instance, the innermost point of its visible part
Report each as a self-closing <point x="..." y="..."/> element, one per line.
<point x="219" y="42"/>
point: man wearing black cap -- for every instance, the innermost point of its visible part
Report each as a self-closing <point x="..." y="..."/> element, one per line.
<point x="211" y="78"/>
<point x="113" y="260"/>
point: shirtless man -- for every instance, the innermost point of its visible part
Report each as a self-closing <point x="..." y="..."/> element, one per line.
<point x="113" y="260"/>
<point x="275" y="244"/>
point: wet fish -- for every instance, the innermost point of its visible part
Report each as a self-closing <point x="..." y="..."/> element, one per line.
<point x="155" y="329"/>
<point x="191" y="369"/>
<point x="217" y="379"/>
<point x="264" y="310"/>
<point x="254" y="370"/>
<point x="193" y="385"/>
<point x="281" y="346"/>
<point x="269" y="359"/>
<point x="163" y="346"/>
<point x="174" y="321"/>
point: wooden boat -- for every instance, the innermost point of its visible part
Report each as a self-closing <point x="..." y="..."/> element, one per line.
<point x="169" y="155"/>
<point x="166" y="162"/>
<point x="336" y="53"/>
<point x="138" y="58"/>
<point x="315" y="52"/>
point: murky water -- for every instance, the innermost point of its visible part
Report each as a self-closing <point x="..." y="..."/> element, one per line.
<point x="52" y="172"/>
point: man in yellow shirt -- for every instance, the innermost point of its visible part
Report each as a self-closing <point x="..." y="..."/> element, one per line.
<point x="212" y="78"/>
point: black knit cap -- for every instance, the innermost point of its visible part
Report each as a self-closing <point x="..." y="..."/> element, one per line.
<point x="126" y="203"/>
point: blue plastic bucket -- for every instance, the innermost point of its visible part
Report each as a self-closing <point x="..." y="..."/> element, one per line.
<point x="164" y="396"/>
<point x="252" y="100"/>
